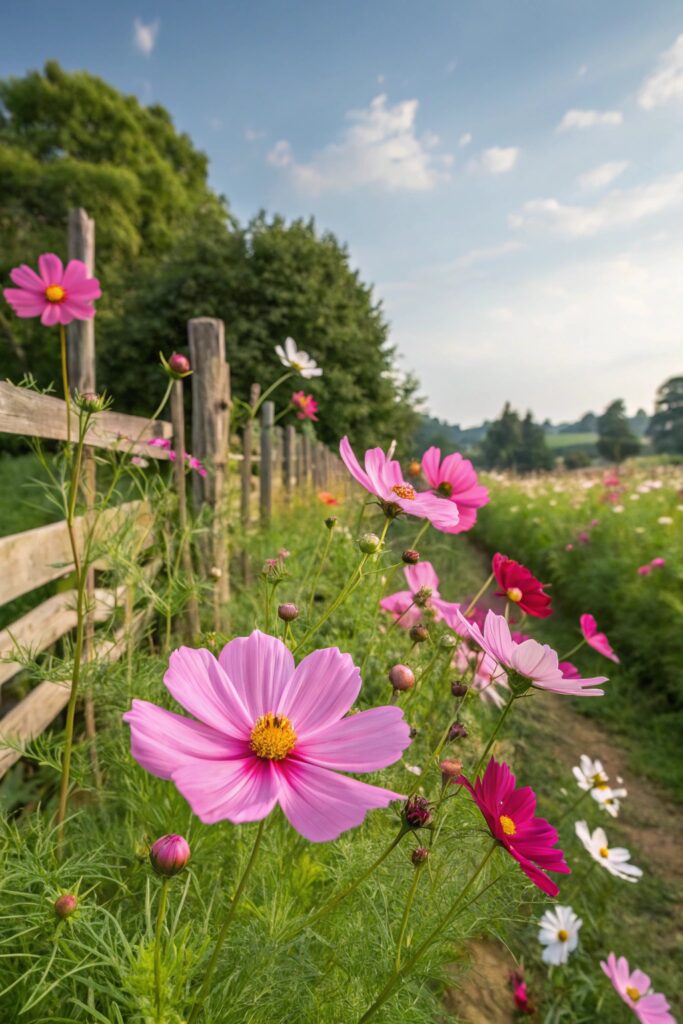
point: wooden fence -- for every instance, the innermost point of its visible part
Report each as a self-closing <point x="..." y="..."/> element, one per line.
<point x="266" y="466"/>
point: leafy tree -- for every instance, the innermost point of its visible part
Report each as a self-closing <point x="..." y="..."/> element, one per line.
<point x="534" y="453"/>
<point x="666" y="426"/>
<point x="511" y="443"/>
<point x="616" y="440"/>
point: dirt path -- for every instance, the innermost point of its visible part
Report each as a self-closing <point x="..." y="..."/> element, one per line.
<point x="652" y="825"/>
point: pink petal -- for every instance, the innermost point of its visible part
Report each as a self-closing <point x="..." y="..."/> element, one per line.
<point x="25" y="304"/>
<point x="259" y="667"/>
<point x="161" y="741"/>
<point x="51" y="268"/>
<point x="72" y="309"/>
<point x="322" y="689"/>
<point x="351" y="462"/>
<point x="239" y="790"/>
<point x="321" y="805"/>
<point x="196" y="680"/>
<point x="421" y="575"/>
<point x="51" y="315"/>
<point x="75" y="273"/>
<point x="27" y="278"/>
<point x="364" y="742"/>
<point x="431" y="461"/>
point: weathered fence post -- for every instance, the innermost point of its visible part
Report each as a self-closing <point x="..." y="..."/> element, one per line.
<point x="178" y="420"/>
<point x="306" y="450"/>
<point x="245" y="476"/>
<point x="210" y="427"/>
<point x="288" y="463"/>
<point x="266" y="468"/>
<point x="278" y="465"/>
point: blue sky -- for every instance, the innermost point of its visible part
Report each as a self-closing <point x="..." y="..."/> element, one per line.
<point x="508" y="174"/>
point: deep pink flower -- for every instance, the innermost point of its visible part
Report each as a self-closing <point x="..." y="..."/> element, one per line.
<point x="520" y="586"/>
<point x="520" y="993"/>
<point x="266" y="731"/>
<point x="537" y="663"/>
<point x="305" y="405"/>
<point x="584" y="537"/>
<point x="598" y="641"/>
<point x="169" y="855"/>
<point x="383" y="478"/>
<point x="455" y="479"/>
<point x="568" y="670"/>
<point x="195" y="464"/>
<point x="159" y="442"/>
<point x="423" y="592"/>
<point x="509" y="814"/>
<point x="635" y="990"/>
<point x="658" y="563"/>
<point x="644" y="570"/>
<point x="57" y="296"/>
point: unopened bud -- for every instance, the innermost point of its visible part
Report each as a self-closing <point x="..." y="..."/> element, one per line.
<point x="215" y="573"/>
<point x="90" y="401"/>
<point x="450" y="769"/>
<point x="414" y="468"/>
<point x="288" y="612"/>
<point x="402" y="678"/>
<point x="457" y="731"/>
<point x="180" y="364"/>
<point x="169" y="855"/>
<point x="66" y="905"/>
<point x="369" y="543"/>
<point x="418" y="634"/>
<point x="447" y="641"/>
<point x="420" y="855"/>
<point x="417" y="812"/>
<point x="331" y="522"/>
<point x="410" y="557"/>
<point x="458" y="689"/>
<point x="422" y="596"/>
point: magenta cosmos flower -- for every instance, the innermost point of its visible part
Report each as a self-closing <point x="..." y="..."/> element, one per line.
<point x="454" y="478"/>
<point x="266" y="731"/>
<point x="305" y="405"/>
<point x="423" y="592"/>
<point x="535" y="663"/>
<point x="383" y="478"/>
<point x="57" y="296"/>
<point x="520" y="586"/>
<point x="509" y="814"/>
<point x="635" y="990"/>
<point x="598" y="641"/>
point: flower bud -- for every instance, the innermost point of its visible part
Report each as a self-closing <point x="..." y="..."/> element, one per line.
<point x="413" y="732"/>
<point x="410" y="557"/>
<point x="420" y="855"/>
<point x="369" y="543"/>
<point x="417" y="812"/>
<point x="90" y="401"/>
<point x="450" y="769"/>
<point x="177" y="367"/>
<point x="458" y="689"/>
<point x="418" y="634"/>
<point x="422" y="596"/>
<point x="447" y="641"/>
<point x="215" y="573"/>
<point x="66" y="905"/>
<point x="402" y="678"/>
<point x="414" y="468"/>
<point x="288" y="611"/>
<point x="331" y="522"/>
<point x="457" y="731"/>
<point x="169" y="855"/>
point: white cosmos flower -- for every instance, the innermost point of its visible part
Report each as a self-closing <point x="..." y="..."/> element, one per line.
<point x="589" y="773"/>
<point x="559" y="933"/>
<point x="609" y="799"/>
<point x="296" y="360"/>
<point x="615" y="859"/>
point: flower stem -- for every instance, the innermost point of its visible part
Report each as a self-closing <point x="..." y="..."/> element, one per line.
<point x="321" y="563"/>
<point x="199" y="1002"/>
<point x="161" y="914"/>
<point x="575" y="648"/>
<point x="398" y="975"/>
<point x="269" y="391"/>
<point x="406" y="914"/>
<point x="65" y="381"/>
<point x="572" y="807"/>
<point x="501" y="718"/>
<point x="482" y="590"/>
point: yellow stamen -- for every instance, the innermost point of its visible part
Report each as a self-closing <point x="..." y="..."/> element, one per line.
<point x="601" y="785"/>
<point x="562" y="935"/>
<point x="507" y="824"/>
<point x="272" y="737"/>
<point x="632" y="993"/>
<point x="445" y="488"/>
<point x="604" y="852"/>
<point x="406" y="491"/>
<point x="514" y="594"/>
<point x="55" y="293"/>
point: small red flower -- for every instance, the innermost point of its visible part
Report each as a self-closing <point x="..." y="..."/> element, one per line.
<point x="520" y="586"/>
<point x="305" y="405"/>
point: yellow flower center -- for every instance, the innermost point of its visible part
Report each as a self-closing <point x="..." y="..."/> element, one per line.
<point x="507" y="824"/>
<point x="445" y="488"/>
<point x="406" y="491"/>
<point x="632" y="993"/>
<point x="601" y="785"/>
<point x="55" y="293"/>
<point x="604" y="852"/>
<point x="514" y="594"/>
<point x="272" y="737"/>
<point x="563" y="935"/>
<point x="599" y="780"/>
<point x="296" y="366"/>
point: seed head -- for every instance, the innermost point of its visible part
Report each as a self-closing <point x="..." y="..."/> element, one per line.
<point x="417" y="812"/>
<point x="450" y="769"/>
<point x="457" y="731"/>
<point x="420" y="855"/>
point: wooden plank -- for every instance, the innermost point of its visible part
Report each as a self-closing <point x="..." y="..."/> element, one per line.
<point x="26" y="412"/>
<point x="35" y="557"/>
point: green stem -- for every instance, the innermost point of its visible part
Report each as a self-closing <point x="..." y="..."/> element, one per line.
<point x="406" y="914"/>
<point x="492" y="737"/>
<point x="267" y="605"/>
<point x="321" y="563"/>
<point x="436" y="933"/>
<point x="572" y="807"/>
<point x="284" y="412"/>
<point x="161" y="914"/>
<point x="199" y="1002"/>
<point x="65" y="381"/>
<point x="420" y="534"/>
<point x="577" y="647"/>
<point x="479" y="593"/>
<point x="269" y="391"/>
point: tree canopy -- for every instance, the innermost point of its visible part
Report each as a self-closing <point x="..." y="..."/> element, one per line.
<point x="512" y="443"/>
<point x="616" y="440"/>
<point x="666" y="426"/>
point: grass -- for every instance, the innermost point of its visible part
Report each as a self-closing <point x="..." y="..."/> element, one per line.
<point x="576" y="439"/>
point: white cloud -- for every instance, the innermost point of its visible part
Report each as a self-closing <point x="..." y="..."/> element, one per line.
<point x="281" y="154"/>
<point x="498" y="159"/>
<point x="379" y="146"/>
<point x="465" y="139"/>
<point x="252" y="135"/>
<point x="145" y="36"/>
<point x="666" y="83"/>
<point x="589" y="119"/>
<point x="616" y="209"/>
<point x="603" y="175"/>
<point x="486" y="255"/>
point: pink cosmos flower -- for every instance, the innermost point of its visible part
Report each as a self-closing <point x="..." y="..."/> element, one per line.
<point x="383" y="478"/>
<point x="159" y="442"/>
<point x="534" y="662"/>
<point x="658" y="563"/>
<point x="520" y="993"/>
<point x="509" y="814"/>
<point x="486" y="674"/>
<point x="266" y="731"/>
<point x="644" y="570"/>
<point x="305" y="405"/>
<point x="423" y="592"/>
<point x="57" y="296"/>
<point x="455" y="479"/>
<point x="569" y="670"/>
<point x="635" y="990"/>
<point x="195" y="464"/>
<point x="598" y="641"/>
<point x="519" y="585"/>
